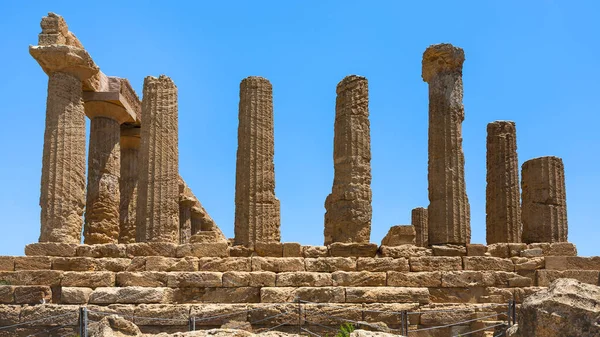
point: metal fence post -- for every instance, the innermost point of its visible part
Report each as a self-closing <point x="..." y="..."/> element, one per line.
<point x="404" y="323"/>
<point x="192" y="324"/>
<point x="514" y="312"/>
<point x="508" y="313"/>
<point x="84" y="322"/>
<point x="299" y="316"/>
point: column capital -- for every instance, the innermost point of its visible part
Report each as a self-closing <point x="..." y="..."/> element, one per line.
<point x="119" y="102"/>
<point x="130" y="138"/>
<point x="442" y="58"/>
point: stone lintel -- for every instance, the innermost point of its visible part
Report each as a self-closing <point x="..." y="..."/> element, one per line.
<point x="71" y="60"/>
<point x="108" y="104"/>
<point x="442" y="58"/>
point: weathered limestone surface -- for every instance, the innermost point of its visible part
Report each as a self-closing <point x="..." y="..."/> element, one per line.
<point x="348" y="207"/>
<point x="104" y="171"/>
<point x="257" y="217"/>
<point x="448" y="211"/>
<point x="56" y="31"/>
<point x="544" y="204"/>
<point x="157" y="217"/>
<point x="195" y="224"/>
<point x="128" y="185"/>
<point x="503" y="198"/>
<point x="419" y="221"/>
<point x="63" y="162"/>
<point x="399" y="235"/>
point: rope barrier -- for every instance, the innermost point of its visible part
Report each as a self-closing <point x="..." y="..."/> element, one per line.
<point x="47" y="331"/>
<point x="478" y="330"/>
<point x="457" y="323"/>
<point x="310" y="332"/>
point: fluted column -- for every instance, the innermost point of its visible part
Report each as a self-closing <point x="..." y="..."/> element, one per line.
<point x="257" y="216"/>
<point x="348" y="207"/>
<point x="544" y="204"/>
<point x="63" y="161"/>
<point x="185" y="220"/>
<point x="448" y="211"/>
<point x="420" y="222"/>
<point x="157" y="217"/>
<point x="128" y="185"/>
<point x="503" y="197"/>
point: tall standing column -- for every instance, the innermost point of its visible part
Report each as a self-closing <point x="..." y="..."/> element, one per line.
<point x="130" y="149"/>
<point x="63" y="162"/>
<point x="419" y="221"/>
<point x="503" y="198"/>
<point x="257" y="217"/>
<point x="544" y="208"/>
<point x="348" y="207"/>
<point x="157" y="217"/>
<point x="448" y="211"/>
<point x="104" y="171"/>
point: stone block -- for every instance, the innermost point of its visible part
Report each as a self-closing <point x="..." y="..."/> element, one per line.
<point x="498" y="250"/>
<point x="387" y="295"/>
<point x="405" y="251"/>
<point x="7" y="263"/>
<point x="330" y="264"/>
<point x="315" y="251"/>
<point x="269" y="249"/>
<point x="113" y="264"/>
<point x="487" y="263"/>
<point x="514" y="249"/>
<point x="216" y="249"/>
<point x="96" y="312"/>
<point x="414" y="279"/>
<point x="474" y="249"/>
<point x="277" y="265"/>
<point x="240" y="251"/>
<point x="387" y="313"/>
<point x="435" y="263"/>
<point x="166" y="249"/>
<point x="310" y="294"/>
<point x="292" y="249"/>
<point x="32" y="263"/>
<point x="141" y="279"/>
<point x="497" y="295"/>
<point x="545" y="277"/>
<point x="331" y="315"/>
<point x="465" y="279"/>
<point x="225" y="264"/>
<point x="434" y="318"/>
<point x="7" y="294"/>
<point x="37" y="277"/>
<point x="103" y="250"/>
<point x="49" y="315"/>
<point x="303" y="279"/>
<point x="533" y="252"/>
<point x="33" y="295"/>
<point x="456" y="295"/>
<point x="359" y="278"/>
<point x="270" y="315"/>
<point x="51" y="249"/>
<point x="130" y="295"/>
<point x="218" y="314"/>
<point x="9" y="315"/>
<point x="544" y="246"/>
<point x="523" y="263"/>
<point x="162" y="314"/>
<point x="75" y="295"/>
<point x="199" y="279"/>
<point x="400" y="235"/>
<point x="217" y="295"/>
<point x="522" y="293"/>
<point x="561" y="249"/>
<point x="74" y="263"/>
<point x="382" y="264"/>
<point x="352" y="249"/>
<point x="520" y="282"/>
<point x="188" y="263"/>
<point x="449" y="250"/>
<point x="159" y="263"/>
<point x="232" y="279"/>
<point x="92" y="279"/>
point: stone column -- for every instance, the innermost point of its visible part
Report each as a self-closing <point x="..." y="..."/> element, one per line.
<point x="544" y="208"/>
<point x="104" y="171"/>
<point x="448" y="211"/>
<point x="348" y="207"/>
<point x="257" y="216"/>
<point x="185" y="220"/>
<point x="130" y="149"/>
<point x="503" y="198"/>
<point x="419" y="221"/>
<point x="157" y="218"/>
<point x="63" y="161"/>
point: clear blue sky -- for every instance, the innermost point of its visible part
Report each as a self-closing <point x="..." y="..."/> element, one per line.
<point x="533" y="62"/>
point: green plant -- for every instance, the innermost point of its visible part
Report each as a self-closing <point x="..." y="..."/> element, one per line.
<point x="345" y="330"/>
<point x="4" y="283"/>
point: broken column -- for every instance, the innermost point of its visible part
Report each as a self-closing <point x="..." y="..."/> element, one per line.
<point x="130" y="149"/>
<point x="348" y="207"/>
<point x="419" y="222"/>
<point x="544" y="204"/>
<point x="448" y="211"/>
<point x="503" y="198"/>
<point x="70" y="70"/>
<point x="257" y="217"/>
<point x="157" y="218"/>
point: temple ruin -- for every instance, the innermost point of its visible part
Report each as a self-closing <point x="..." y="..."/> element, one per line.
<point x="153" y="255"/>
